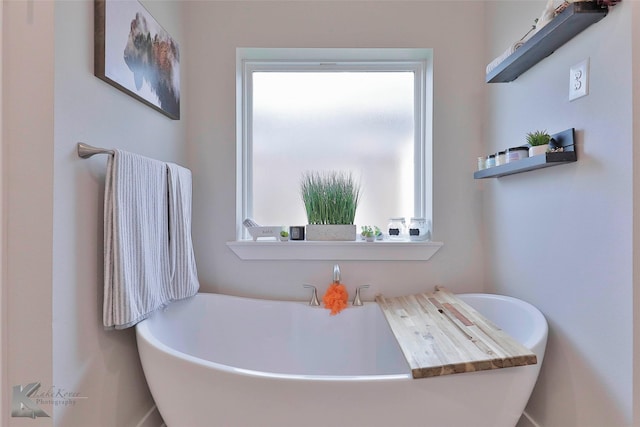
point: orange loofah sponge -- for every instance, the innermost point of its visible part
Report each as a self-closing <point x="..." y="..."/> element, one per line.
<point x="335" y="298"/>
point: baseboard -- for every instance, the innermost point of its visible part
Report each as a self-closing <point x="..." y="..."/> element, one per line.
<point x="527" y="421"/>
<point x="151" y="419"/>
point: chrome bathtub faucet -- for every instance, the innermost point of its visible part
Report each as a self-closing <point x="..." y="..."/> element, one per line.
<point x="356" y="300"/>
<point x="314" y="296"/>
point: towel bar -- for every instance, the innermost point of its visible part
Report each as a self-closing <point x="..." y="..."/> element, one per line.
<point x="85" y="150"/>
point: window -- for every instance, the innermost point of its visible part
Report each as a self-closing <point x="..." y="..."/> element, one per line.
<point x="363" y="111"/>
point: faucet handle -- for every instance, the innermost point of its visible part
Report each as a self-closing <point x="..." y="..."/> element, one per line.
<point x="356" y="300"/>
<point x="314" y="296"/>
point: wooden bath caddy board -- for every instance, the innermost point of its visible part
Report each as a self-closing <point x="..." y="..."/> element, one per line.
<point x="439" y="334"/>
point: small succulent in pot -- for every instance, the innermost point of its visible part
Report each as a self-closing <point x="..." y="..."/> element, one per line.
<point x="539" y="137"/>
<point x="539" y="142"/>
<point x="368" y="233"/>
<point x="377" y="232"/>
<point x="284" y="235"/>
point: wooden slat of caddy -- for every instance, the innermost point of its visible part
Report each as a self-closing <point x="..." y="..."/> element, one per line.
<point x="439" y="334"/>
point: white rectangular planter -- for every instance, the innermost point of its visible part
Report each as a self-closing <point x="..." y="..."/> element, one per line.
<point x="331" y="232"/>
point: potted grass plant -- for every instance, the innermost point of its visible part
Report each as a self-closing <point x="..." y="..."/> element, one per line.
<point x="539" y="142"/>
<point x="330" y="200"/>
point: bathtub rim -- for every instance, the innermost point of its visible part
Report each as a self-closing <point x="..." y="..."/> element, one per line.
<point x="538" y="341"/>
<point x="144" y="334"/>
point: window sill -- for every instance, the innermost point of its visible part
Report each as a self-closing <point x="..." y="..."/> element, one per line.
<point x="334" y="251"/>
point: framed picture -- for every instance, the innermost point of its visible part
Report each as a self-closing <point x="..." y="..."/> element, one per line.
<point x="136" y="55"/>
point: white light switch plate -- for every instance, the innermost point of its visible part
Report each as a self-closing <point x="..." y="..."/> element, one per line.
<point x="579" y="80"/>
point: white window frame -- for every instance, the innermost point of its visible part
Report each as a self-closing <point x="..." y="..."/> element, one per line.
<point x="418" y="61"/>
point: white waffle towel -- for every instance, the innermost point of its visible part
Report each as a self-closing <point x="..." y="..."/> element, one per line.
<point x="139" y="253"/>
<point x="182" y="262"/>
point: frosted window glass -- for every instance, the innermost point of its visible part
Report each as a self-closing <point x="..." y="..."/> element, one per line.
<point x="359" y="122"/>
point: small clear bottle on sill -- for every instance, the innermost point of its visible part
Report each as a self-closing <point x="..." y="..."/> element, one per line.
<point x="491" y="160"/>
<point x="396" y="228"/>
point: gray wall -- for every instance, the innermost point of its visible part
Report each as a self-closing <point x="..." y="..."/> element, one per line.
<point x="561" y="238"/>
<point x="215" y="30"/>
<point x="104" y="366"/>
<point x="53" y="204"/>
<point x="28" y="118"/>
<point x="635" y="51"/>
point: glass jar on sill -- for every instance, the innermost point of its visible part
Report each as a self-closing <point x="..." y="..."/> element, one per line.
<point x="419" y="229"/>
<point x="397" y="228"/>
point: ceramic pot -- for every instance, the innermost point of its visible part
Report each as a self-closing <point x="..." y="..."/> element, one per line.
<point x="538" y="149"/>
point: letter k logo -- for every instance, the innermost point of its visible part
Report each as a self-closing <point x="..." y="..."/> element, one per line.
<point x="22" y="405"/>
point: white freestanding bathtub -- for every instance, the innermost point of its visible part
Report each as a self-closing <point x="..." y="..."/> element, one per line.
<point x="222" y="361"/>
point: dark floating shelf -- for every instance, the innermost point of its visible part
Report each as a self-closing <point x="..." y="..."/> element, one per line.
<point x="570" y="22"/>
<point x="563" y="139"/>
